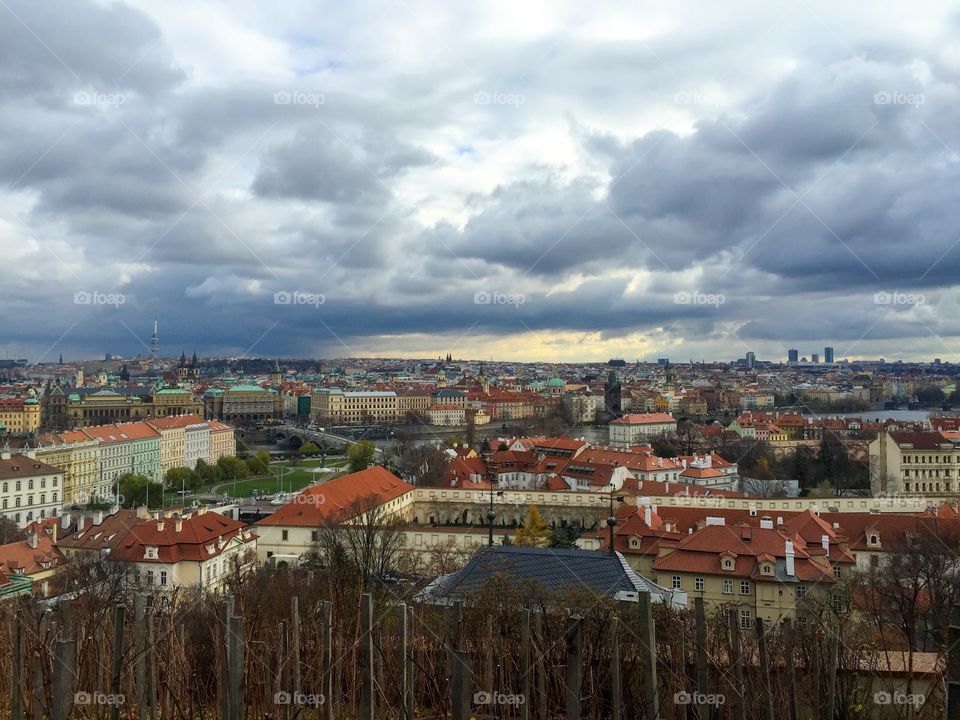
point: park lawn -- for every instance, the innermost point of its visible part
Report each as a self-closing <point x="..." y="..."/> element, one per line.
<point x="293" y="481"/>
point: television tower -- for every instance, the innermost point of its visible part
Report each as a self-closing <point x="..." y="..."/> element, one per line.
<point x="154" y="342"/>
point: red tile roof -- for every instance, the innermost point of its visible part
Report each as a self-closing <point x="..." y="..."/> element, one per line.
<point x="201" y="536"/>
<point x="333" y="500"/>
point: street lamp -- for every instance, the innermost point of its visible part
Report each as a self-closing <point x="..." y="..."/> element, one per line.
<point x="612" y="518"/>
<point x="491" y="515"/>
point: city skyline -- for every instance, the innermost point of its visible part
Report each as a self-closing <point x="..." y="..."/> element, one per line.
<point x="585" y="183"/>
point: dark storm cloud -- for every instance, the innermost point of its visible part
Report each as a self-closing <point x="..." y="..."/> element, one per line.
<point x="820" y="171"/>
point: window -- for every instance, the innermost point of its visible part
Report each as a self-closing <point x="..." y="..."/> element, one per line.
<point x="284" y="535"/>
<point x="149" y="577"/>
<point x="837" y="572"/>
<point x="801" y="592"/>
<point x="314" y="535"/>
<point x="728" y="587"/>
<point x="745" y="619"/>
<point x="676" y="582"/>
<point x="698" y="584"/>
<point x="163" y="577"/>
<point x="836" y="602"/>
<point x="744" y="587"/>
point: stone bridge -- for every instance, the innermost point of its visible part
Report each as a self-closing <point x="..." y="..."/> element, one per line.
<point x="297" y="436"/>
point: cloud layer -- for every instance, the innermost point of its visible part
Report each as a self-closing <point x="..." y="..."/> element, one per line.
<point x="551" y="182"/>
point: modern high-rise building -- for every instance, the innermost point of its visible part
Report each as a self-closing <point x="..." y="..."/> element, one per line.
<point x="815" y="358"/>
<point x="828" y="354"/>
<point x="793" y="355"/>
<point x="751" y="360"/>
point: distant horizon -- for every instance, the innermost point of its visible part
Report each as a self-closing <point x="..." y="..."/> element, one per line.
<point x="441" y="358"/>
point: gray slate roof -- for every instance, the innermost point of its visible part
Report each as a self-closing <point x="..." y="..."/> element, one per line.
<point x="556" y="569"/>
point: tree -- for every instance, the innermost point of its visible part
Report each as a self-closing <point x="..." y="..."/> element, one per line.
<point x="565" y="536"/>
<point x="207" y="474"/>
<point x="181" y="478"/>
<point x="136" y="490"/>
<point x="424" y="466"/>
<point x="259" y="463"/>
<point x="470" y="435"/>
<point x="534" y="531"/>
<point x="9" y="530"/>
<point x="363" y="541"/>
<point x="309" y="448"/>
<point x="662" y="447"/>
<point x="231" y="468"/>
<point x="360" y="455"/>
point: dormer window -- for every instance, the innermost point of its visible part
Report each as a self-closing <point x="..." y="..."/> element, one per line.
<point x="634" y="543"/>
<point x="766" y="569"/>
<point x="151" y="553"/>
<point x="873" y="539"/>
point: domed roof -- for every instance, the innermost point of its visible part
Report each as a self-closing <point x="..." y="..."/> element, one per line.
<point x="556" y="382"/>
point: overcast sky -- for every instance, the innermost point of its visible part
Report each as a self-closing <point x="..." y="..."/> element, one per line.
<point x="529" y="181"/>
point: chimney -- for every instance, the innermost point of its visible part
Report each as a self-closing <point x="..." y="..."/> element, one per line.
<point x="65" y="521"/>
<point x="33" y="539"/>
<point x="646" y="515"/>
<point x="746" y="533"/>
<point x="160" y="525"/>
<point x="779" y="520"/>
<point x="98" y="517"/>
<point x="81" y="519"/>
<point x="178" y="525"/>
<point x="788" y="551"/>
<point x="766" y="523"/>
<point x="825" y="542"/>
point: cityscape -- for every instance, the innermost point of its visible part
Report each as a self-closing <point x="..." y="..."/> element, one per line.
<point x="530" y="362"/>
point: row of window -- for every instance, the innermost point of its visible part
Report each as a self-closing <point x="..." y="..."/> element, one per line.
<point x="698" y="585"/>
<point x="17" y="503"/>
<point x="930" y="459"/>
<point x="18" y="485"/>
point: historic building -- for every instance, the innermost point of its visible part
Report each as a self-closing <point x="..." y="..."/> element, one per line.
<point x="71" y="408"/>
<point x="30" y="489"/>
<point x="19" y="416"/>
<point x="242" y="404"/>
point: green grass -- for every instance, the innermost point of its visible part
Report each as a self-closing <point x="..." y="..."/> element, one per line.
<point x="294" y="480"/>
